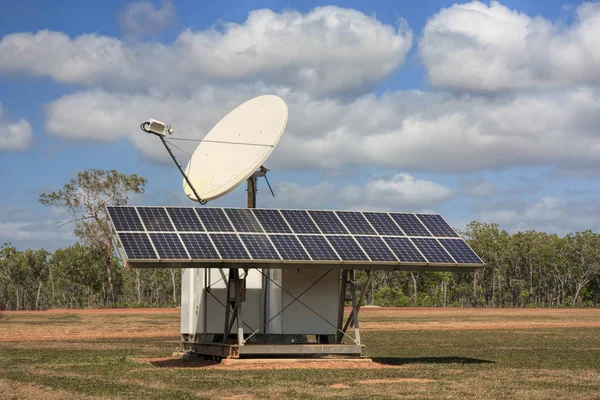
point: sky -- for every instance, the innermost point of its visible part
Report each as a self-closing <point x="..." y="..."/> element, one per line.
<point x="486" y="111"/>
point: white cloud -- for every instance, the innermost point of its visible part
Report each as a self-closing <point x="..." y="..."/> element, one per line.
<point x="480" y="47"/>
<point x="142" y="18"/>
<point x="477" y="187"/>
<point x="328" y="50"/>
<point x="548" y="214"/>
<point x="397" y="192"/>
<point x="25" y="229"/>
<point x="401" y="130"/>
<point x="14" y="135"/>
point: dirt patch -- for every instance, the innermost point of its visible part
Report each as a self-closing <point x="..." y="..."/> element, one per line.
<point x="176" y="362"/>
<point x="394" y="380"/>
<point x="339" y="386"/>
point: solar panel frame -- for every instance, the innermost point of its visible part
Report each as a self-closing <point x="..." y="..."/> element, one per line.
<point x="347" y="248"/>
<point x="272" y="221"/>
<point x="437" y="225"/>
<point x="355" y="222"/>
<point x="318" y="248"/>
<point x="328" y="222"/>
<point x="125" y="219"/>
<point x="230" y="246"/>
<point x="376" y="248"/>
<point x="185" y="219"/>
<point x="410" y="224"/>
<point x="137" y="245"/>
<point x="289" y="247"/>
<point x="199" y="246"/>
<point x="243" y="220"/>
<point x="404" y="249"/>
<point x="460" y="251"/>
<point x="259" y="246"/>
<point x="433" y="250"/>
<point x="214" y="219"/>
<point x="300" y="221"/>
<point x="155" y="219"/>
<point x="169" y="246"/>
<point x="383" y="223"/>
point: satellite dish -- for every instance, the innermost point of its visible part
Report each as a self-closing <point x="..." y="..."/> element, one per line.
<point x="236" y="147"/>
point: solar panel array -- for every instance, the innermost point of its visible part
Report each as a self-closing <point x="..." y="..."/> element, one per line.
<point x="300" y="236"/>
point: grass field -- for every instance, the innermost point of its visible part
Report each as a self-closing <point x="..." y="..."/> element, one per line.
<point x="417" y="353"/>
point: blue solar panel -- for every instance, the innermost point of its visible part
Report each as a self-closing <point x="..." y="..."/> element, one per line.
<point x="229" y="246"/>
<point x="185" y="219"/>
<point x="410" y="224"/>
<point x="259" y="247"/>
<point x="318" y="248"/>
<point x="347" y="248"/>
<point x="155" y="219"/>
<point x="300" y="221"/>
<point x="432" y="250"/>
<point x="199" y="246"/>
<point x="355" y="222"/>
<point x="125" y="219"/>
<point x="214" y="220"/>
<point x="383" y="223"/>
<point x="272" y="221"/>
<point x="243" y="220"/>
<point x="460" y="251"/>
<point x="137" y="246"/>
<point x="328" y="222"/>
<point x="169" y="246"/>
<point x="404" y="250"/>
<point x="375" y="248"/>
<point x="289" y="247"/>
<point x="437" y="226"/>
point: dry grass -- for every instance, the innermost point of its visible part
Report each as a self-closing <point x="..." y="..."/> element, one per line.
<point x="417" y="354"/>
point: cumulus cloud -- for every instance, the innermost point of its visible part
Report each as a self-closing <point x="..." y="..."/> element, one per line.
<point x="329" y="50"/>
<point x="142" y="18"/>
<point x="548" y="214"/>
<point x="14" y="135"/>
<point x="396" y="192"/>
<point x="481" y="47"/>
<point x="26" y="229"/>
<point x="402" y="130"/>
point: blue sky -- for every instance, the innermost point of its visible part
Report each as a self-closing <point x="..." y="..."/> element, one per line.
<point x="478" y="111"/>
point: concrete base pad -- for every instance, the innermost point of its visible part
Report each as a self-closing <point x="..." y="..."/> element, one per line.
<point x="277" y="361"/>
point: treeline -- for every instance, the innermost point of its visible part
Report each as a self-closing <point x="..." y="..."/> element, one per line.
<point x="76" y="277"/>
<point x="526" y="269"/>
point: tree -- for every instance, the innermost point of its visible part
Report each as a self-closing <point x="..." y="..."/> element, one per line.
<point x="85" y="198"/>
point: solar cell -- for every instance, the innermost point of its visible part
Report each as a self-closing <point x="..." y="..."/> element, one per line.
<point x="229" y="246"/>
<point x="243" y="220"/>
<point x="185" y="219"/>
<point x="289" y="247"/>
<point x="355" y="222"/>
<point x="199" y="246"/>
<point x="436" y="225"/>
<point x="214" y="219"/>
<point x="404" y="250"/>
<point x="271" y="220"/>
<point x="300" y="221"/>
<point x="347" y="248"/>
<point x="383" y="223"/>
<point x="318" y="248"/>
<point x="155" y="219"/>
<point x="168" y="245"/>
<point x="259" y="247"/>
<point x="328" y="222"/>
<point x="460" y="251"/>
<point x="137" y="246"/>
<point x="375" y="248"/>
<point x="410" y="224"/>
<point x="432" y="250"/>
<point x="125" y="219"/>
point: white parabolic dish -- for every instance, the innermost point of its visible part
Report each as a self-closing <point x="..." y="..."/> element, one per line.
<point x="236" y="147"/>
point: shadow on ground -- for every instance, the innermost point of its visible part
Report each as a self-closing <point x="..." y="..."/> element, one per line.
<point x="430" y="360"/>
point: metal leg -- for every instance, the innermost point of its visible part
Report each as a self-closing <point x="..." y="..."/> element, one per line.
<point x="342" y="302"/>
<point x="354" y="310"/>
<point x="350" y="320"/>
